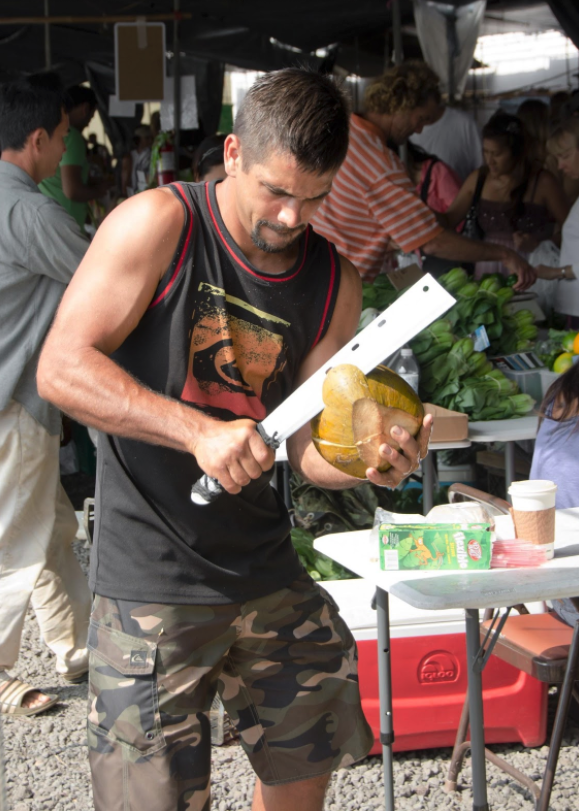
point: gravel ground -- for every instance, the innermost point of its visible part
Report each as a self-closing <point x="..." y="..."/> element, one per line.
<point x="47" y="766"/>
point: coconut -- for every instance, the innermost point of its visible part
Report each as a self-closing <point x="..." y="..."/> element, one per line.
<point x="360" y="411"/>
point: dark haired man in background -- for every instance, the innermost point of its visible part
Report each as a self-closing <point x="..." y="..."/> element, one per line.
<point x="41" y="248"/>
<point x="69" y="185"/>
<point x="197" y="310"/>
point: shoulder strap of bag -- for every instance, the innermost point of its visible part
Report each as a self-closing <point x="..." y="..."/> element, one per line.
<point x="426" y="185"/>
<point x="482" y="176"/>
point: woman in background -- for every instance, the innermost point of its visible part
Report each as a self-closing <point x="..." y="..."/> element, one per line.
<point x="208" y="159"/>
<point x="517" y="204"/>
<point x="557" y="451"/>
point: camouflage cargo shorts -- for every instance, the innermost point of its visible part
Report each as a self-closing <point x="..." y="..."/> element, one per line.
<point x="285" y="666"/>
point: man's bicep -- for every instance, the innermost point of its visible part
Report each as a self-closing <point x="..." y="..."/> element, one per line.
<point x="119" y="274"/>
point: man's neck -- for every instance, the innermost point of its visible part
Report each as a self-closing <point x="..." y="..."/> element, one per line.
<point x="24" y="161"/>
<point x="382" y="121"/>
<point x="267" y="262"/>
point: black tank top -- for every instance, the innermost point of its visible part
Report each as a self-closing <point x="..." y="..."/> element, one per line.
<point x="228" y="339"/>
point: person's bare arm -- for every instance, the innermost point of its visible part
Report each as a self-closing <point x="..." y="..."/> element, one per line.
<point x="75" y="189"/>
<point x="302" y="454"/>
<point x="458" y="209"/>
<point x="448" y="245"/>
<point x="555" y="274"/>
<point x="103" y="304"/>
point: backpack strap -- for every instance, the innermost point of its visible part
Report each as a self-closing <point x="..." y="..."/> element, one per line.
<point x="426" y="185"/>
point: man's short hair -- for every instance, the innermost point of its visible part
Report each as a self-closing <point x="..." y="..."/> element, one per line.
<point x="297" y="112"/>
<point x="79" y="94"/>
<point x="29" y="104"/>
<point x="404" y="87"/>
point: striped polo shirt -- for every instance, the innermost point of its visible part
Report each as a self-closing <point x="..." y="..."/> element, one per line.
<point x="373" y="208"/>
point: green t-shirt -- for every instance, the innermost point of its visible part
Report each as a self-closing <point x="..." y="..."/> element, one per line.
<point x="75" y="155"/>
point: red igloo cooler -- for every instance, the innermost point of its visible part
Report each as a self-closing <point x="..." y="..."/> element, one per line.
<point x="429" y="676"/>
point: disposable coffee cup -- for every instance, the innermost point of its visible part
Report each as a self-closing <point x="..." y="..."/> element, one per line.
<point x="534" y="512"/>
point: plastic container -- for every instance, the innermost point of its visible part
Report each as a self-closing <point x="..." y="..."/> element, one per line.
<point x="430" y="677"/>
<point x="407" y="367"/>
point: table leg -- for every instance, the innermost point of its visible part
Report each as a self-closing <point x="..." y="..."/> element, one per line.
<point x="287" y="492"/>
<point x="427" y="482"/>
<point x="509" y="466"/>
<point x="475" y="703"/>
<point x="385" y="696"/>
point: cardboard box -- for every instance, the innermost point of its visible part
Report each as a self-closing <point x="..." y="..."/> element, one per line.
<point x="449" y="426"/>
<point x="434" y="546"/>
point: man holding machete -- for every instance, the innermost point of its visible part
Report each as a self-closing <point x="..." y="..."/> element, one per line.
<point x="197" y="310"/>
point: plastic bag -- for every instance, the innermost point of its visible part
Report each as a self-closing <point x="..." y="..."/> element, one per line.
<point x="464" y="512"/>
<point x="546" y="253"/>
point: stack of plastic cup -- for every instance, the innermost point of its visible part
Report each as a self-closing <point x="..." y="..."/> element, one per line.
<point x="534" y="512"/>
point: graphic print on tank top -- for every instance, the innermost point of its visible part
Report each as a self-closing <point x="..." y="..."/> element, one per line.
<point x="235" y="354"/>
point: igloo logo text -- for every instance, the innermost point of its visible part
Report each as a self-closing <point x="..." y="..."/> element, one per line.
<point x="439" y="666"/>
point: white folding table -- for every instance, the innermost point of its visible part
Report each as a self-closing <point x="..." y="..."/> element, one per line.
<point x="507" y="431"/>
<point x="470" y="591"/>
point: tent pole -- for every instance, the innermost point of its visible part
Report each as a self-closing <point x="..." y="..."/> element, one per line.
<point x="176" y="86"/>
<point x="397" y="32"/>
<point x="47" y="49"/>
<point x="453" y="51"/>
<point x="398" y="58"/>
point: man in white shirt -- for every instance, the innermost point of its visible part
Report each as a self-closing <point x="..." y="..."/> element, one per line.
<point x="455" y="139"/>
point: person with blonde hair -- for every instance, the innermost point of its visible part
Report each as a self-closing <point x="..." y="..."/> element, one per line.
<point x="564" y="144"/>
<point x="373" y="210"/>
<point x="534" y="115"/>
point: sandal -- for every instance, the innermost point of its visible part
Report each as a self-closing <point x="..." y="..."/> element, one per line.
<point x="76" y="678"/>
<point x="12" y="694"/>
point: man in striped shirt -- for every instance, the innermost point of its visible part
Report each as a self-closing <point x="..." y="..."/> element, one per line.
<point x="373" y="210"/>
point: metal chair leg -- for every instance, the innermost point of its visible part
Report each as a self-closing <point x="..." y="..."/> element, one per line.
<point x="560" y="721"/>
<point x="461" y="746"/>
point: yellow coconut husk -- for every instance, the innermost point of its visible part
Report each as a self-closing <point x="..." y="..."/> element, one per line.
<point x="359" y="414"/>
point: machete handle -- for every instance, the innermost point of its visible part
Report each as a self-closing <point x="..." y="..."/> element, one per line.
<point x="206" y="489"/>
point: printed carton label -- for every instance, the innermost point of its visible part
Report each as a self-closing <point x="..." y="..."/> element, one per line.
<point x="434" y="546"/>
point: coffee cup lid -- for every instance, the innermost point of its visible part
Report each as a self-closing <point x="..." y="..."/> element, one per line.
<point x="532" y="487"/>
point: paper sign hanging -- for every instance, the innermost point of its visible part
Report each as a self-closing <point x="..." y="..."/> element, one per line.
<point x="121" y="109"/>
<point x="140" y="61"/>
<point x="189" y="111"/>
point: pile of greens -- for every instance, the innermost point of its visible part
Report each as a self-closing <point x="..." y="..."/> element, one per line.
<point x="485" y="303"/>
<point x="452" y="374"/>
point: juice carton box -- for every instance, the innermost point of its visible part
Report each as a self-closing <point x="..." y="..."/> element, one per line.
<point x="434" y="546"/>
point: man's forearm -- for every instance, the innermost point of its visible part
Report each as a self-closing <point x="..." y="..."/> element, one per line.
<point x="449" y="245"/>
<point x="314" y="469"/>
<point x="97" y="392"/>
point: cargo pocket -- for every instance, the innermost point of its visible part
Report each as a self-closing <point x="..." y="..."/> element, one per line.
<point x="123" y="700"/>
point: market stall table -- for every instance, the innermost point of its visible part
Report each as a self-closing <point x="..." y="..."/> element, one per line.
<point x="507" y="431"/>
<point x="427" y="471"/>
<point x="470" y="591"/>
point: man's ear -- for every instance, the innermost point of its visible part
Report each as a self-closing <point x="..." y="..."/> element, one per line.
<point x="232" y="155"/>
<point x="38" y="140"/>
